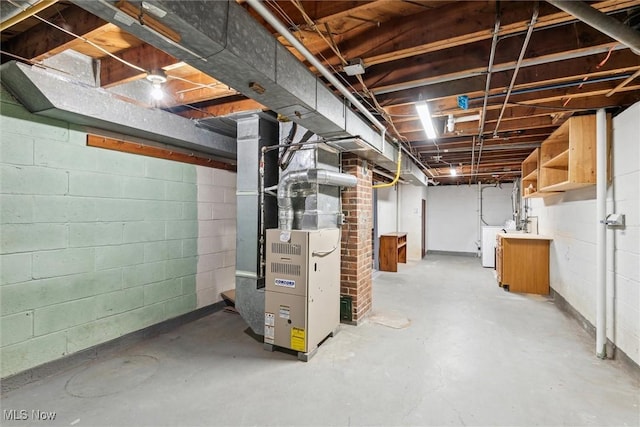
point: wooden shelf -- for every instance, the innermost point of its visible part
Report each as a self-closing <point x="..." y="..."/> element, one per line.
<point x="393" y="249"/>
<point x="530" y="167"/>
<point x="532" y="176"/>
<point x="561" y="161"/>
<point x="564" y="186"/>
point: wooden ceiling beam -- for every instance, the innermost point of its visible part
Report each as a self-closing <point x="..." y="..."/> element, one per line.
<point x="409" y="36"/>
<point x="44" y="40"/>
<point x="26" y="13"/>
<point x="114" y="72"/>
<point x="461" y="82"/>
<point x="442" y="107"/>
<point x="554" y="105"/>
<point x="198" y="88"/>
<point x="419" y="140"/>
<point x="511" y="155"/>
<point x="319" y="11"/>
<point x="222" y="109"/>
<point x="471" y="128"/>
<point x="464" y="145"/>
<point x="441" y="74"/>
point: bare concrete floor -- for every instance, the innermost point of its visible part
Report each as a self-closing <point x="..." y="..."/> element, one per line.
<point x="444" y="346"/>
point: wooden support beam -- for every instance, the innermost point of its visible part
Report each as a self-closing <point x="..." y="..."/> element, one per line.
<point x="471" y="128"/>
<point x="114" y="72"/>
<point x="157" y="152"/>
<point x="190" y="93"/>
<point x="45" y="40"/>
<point x="408" y="37"/>
<point x="419" y="140"/>
<point x="222" y="109"/>
<point x="26" y="13"/>
<point x="546" y="69"/>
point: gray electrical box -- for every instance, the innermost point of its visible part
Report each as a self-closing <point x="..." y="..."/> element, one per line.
<point x="302" y="289"/>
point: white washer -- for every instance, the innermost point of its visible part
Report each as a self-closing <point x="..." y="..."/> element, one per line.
<point x="489" y="244"/>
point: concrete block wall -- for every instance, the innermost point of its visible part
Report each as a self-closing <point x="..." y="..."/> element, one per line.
<point x="571" y="220"/>
<point x="95" y="244"/>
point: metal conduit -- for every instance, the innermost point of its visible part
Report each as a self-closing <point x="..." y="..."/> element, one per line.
<point x="534" y="18"/>
<point x="494" y="43"/>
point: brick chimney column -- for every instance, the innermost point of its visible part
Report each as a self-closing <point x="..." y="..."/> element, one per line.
<point x="357" y="204"/>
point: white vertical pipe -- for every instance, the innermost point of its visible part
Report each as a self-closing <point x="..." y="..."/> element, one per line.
<point x="601" y="234"/>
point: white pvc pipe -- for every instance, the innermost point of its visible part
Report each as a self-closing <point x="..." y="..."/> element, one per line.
<point x="601" y="234"/>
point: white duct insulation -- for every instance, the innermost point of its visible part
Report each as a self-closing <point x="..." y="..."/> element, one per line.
<point x="601" y="234"/>
<point x="314" y="176"/>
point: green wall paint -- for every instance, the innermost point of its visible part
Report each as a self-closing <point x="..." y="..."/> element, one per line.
<point x="94" y="244"/>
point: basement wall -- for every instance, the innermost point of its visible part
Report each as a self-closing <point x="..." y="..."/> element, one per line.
<point x="570" y="219"/>
<point x="95" y="244"/>
<point x="400" y="209"/>
<point x="452" y="215"/>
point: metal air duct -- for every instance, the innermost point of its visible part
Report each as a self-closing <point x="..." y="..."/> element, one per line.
<point x="58" y="97"/>
<point x="313" y="176"/>
<point x="221" y="39"/>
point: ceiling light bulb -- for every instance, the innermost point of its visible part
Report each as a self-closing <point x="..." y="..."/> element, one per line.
<point x="425" y="117"/>
<point x="453" y="171"/>
<point x="156" y="91"/>
<point x="451" y="124"/>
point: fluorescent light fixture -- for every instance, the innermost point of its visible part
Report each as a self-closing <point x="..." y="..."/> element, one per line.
<point x="425" y="117"/>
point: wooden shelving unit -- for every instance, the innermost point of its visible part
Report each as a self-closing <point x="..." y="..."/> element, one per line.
<point x="568" y="156"/>
<point x="393" y="249"/>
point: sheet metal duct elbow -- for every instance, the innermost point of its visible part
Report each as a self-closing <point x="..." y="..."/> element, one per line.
<point x="314" y="176"/>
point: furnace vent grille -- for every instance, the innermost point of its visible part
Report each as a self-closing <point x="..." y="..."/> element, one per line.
<point x="286" y="248"/>
<point x="288" y="269"/>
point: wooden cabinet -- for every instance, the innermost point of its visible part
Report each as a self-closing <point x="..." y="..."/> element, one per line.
<point x="393" y="249"/>
<point x="568" y="156"/>
<point x="566" y="159"/>
<point x="522" y="263"/>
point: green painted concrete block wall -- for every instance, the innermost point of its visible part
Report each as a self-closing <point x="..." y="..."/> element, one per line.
<point x="96" y="244"/>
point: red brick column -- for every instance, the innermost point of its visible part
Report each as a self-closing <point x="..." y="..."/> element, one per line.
<point x="355" y="275"/>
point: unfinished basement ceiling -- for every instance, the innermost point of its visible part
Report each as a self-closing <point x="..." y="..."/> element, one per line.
<point x="412" y="52"/>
